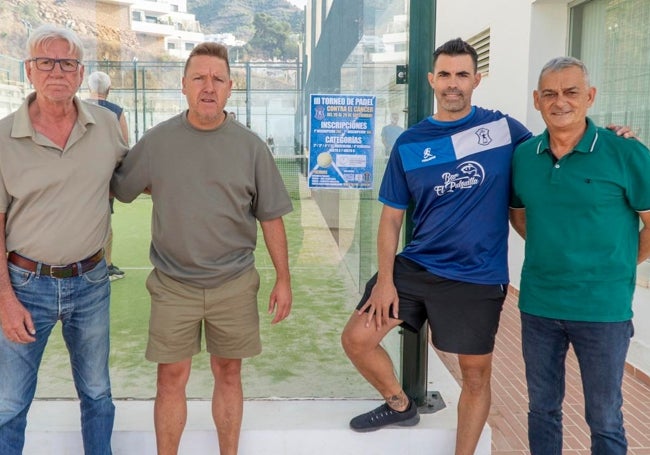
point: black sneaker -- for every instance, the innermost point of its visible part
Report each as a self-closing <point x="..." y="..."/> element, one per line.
<point x="114" y="273"/>
<point x="385" y="416"/>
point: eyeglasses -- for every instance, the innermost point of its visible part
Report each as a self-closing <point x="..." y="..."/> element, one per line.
<point x="68" y="65"/>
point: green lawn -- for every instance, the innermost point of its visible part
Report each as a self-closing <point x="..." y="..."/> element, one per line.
<point x="301" y="356"/>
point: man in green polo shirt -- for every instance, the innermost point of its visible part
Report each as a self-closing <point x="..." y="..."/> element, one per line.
<point x="579" y="192"/>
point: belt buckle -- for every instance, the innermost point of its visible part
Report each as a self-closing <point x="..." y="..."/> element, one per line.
<point x="63" y="271"/>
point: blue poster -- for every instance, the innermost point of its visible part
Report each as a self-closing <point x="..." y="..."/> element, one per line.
<point x="341" y="141"/>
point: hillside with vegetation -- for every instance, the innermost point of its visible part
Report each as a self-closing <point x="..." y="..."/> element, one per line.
<point x="19" y="17"/>
<point x="269" y="27"/>
<point x="237" y="16"/>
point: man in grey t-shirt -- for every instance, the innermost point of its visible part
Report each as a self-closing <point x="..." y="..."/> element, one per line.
<point x="211" y="180"/>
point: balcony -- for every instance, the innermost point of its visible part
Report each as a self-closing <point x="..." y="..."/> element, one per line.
<point x="153" y="28"/>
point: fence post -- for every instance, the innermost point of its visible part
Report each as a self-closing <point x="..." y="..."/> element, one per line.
<point x="420" y="103"/>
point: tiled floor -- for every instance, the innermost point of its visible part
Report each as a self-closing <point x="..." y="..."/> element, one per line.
<point x="509" y="401"/>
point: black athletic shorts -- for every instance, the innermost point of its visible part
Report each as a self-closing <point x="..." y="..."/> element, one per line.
<point x="464" y="317"/>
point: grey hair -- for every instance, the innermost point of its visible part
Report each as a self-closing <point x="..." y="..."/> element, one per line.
<point x="43" y="35"/>
<point x="560" y="63"/>
<point x="99" y="82"/>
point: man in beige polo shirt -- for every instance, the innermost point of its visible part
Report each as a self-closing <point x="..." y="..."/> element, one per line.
<point x="57" y="155"/>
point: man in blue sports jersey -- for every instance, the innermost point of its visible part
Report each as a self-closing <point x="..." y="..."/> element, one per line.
<point x="455" y="168"/>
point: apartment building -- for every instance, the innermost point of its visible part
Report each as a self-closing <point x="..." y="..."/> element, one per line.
<point x="166" y="24"/>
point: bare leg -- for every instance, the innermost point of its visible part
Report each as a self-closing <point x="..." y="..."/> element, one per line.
<point x="362" y="346"/>
<point x="474" y="402"/>
<point x="227" y="402"/>
<point x="170" y="407"/>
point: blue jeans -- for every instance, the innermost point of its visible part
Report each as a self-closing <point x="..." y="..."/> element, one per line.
<point x="82" y="305"/>
<point x="601" y="348"/>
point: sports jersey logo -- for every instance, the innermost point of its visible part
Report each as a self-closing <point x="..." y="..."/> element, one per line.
<point x="483" y="136"/>
<point x="427" y="155"/>
<point x="470" y="174"/>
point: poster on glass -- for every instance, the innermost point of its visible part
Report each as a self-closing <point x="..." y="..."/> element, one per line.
<point x="341" y="141"/>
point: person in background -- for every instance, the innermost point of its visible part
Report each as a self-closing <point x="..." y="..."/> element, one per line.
<point x="271" y="143"/>
<point x="211" y="181"/>
<point x="57" y="156"/>
<point x="390" y="133"/>
<point x="99" y="84"/>
<point x="579" y="192"/>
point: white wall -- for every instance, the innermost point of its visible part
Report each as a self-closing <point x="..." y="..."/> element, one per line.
<point x="506" y="86"/>
<point x="549" y="28"/>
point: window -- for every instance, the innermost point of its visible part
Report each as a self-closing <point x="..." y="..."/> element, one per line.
<point x="613" y="40"/>
<point x="481" y="42"/>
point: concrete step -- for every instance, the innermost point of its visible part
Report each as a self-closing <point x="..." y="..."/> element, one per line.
<point x="270" y="427"/>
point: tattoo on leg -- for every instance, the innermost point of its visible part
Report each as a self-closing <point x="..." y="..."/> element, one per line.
<point x="398" y="402"/>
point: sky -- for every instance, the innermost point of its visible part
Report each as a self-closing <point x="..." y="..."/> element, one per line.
<point x="299" y="3"/>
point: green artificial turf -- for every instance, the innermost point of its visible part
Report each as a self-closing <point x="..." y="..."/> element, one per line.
<point x="301" y="357"/>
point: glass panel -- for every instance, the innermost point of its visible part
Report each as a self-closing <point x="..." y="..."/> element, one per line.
<point x="346" y="48"/>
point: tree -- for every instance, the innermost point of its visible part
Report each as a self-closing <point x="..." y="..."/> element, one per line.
<point x="272" y="38"/>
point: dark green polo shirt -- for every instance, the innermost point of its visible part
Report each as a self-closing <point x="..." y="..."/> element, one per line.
<point x="582" y="226"/>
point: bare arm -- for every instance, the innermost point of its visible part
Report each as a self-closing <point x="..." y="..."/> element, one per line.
<point x="16" y="321"/>
<point x="275" y="239"/>
<point x="518" y="221"/>
<point x="125" y="135"/>
<point x="383" y="302"/>
<point x="644" y="238"/>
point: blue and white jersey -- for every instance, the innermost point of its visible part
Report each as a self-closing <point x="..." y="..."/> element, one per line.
<point x="458" y="176"/>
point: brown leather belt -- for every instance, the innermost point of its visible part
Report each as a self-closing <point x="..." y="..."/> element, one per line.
<point x="56" y="271"/>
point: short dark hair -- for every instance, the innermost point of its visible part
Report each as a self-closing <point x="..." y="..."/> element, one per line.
<point x="210" y="49"/>
<point x="456" y="47"/>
